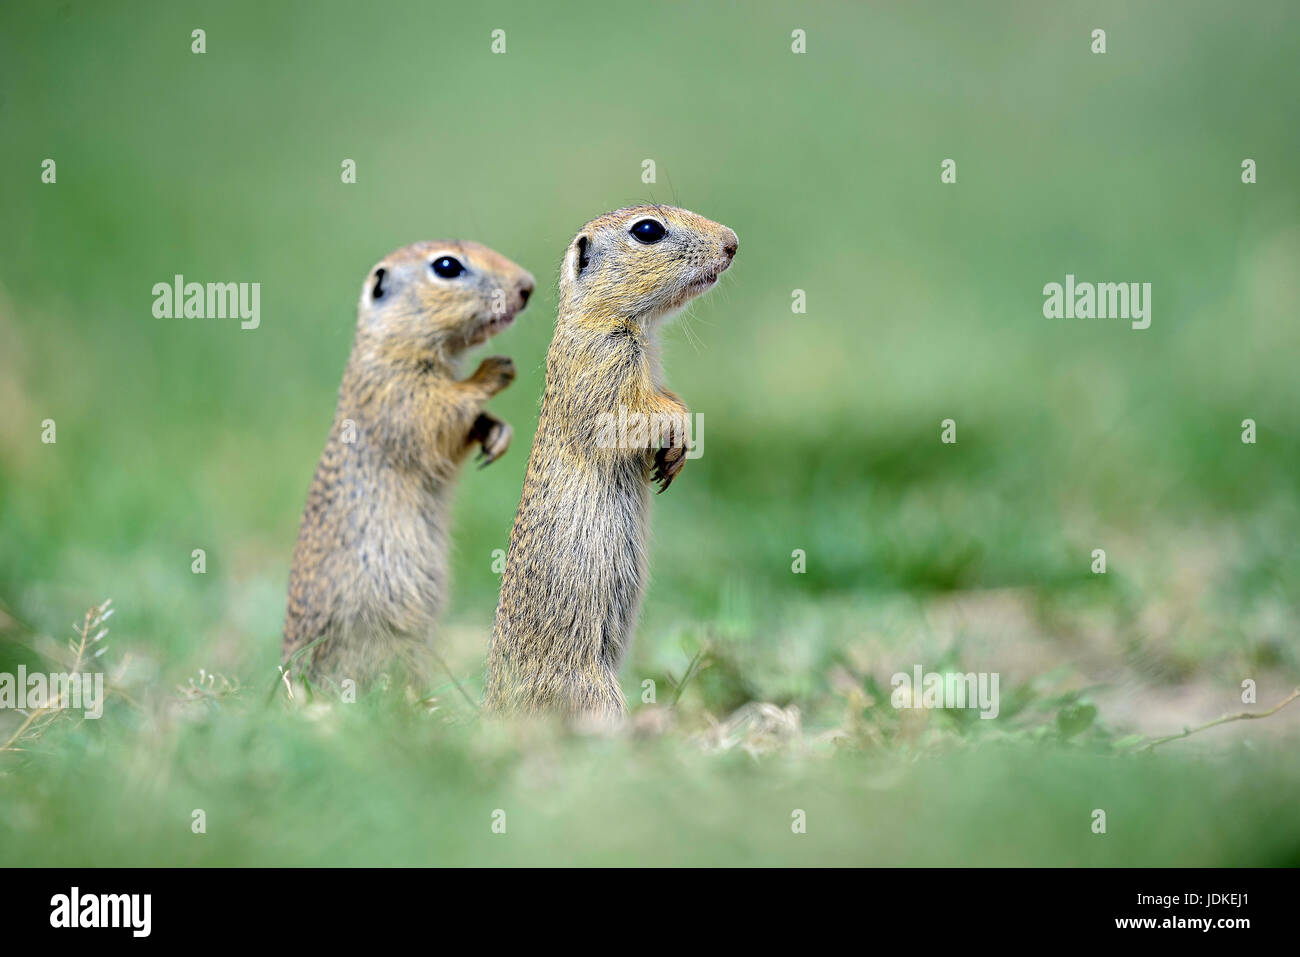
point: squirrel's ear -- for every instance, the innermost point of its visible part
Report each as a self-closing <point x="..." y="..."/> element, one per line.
<point x="581" y="260"/>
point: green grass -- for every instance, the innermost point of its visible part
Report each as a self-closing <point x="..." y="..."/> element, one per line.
<point x="821" y="430"/>
<point x="369" y="786"/>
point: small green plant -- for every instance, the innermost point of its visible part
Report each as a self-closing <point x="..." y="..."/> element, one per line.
<point x="87" y="646"/>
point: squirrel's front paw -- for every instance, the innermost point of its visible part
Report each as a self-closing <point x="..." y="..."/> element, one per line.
<point x="493" y="435"/>
<point x="668" y="462"/>
<point x="671" y="458"/>
<point x="495" y="372"/>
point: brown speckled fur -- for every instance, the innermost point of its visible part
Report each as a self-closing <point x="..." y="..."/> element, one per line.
<point x="370" y="567"/>
<point x="576" y="569"/>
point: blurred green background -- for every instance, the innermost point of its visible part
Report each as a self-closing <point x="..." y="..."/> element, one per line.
<point x="924" y="302"/>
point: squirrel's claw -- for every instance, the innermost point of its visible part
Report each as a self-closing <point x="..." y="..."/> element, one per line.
<point x="495" y="443"/>
<point x="668" y="462"/>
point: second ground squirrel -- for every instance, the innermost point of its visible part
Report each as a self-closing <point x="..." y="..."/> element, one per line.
<point x="576" y="568"/>
<point x="370" y="568"/>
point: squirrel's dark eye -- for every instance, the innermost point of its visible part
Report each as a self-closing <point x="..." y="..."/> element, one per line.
<point x="447" y="268"/>
<point x="648" y="231"/>
<point x="378" y="291"/>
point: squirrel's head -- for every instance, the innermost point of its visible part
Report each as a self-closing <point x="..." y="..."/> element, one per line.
<point x="440" y="296"/>
<point x="642" y="263"/>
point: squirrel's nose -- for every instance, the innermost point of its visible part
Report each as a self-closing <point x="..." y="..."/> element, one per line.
<point x="730" y="245"/>
<point x="526" y="287"/>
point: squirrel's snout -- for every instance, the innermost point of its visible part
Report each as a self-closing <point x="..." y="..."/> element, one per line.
<point x="730" y="244"/>
<point x="526" y="287"/>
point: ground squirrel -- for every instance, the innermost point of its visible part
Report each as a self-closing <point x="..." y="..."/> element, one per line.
<point x="576" y="568"/>
<point x="370" y="567"/>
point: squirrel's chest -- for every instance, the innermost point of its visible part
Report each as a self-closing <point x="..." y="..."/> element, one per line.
<point x="399" y="533"/>
<point x="595" y="523"/>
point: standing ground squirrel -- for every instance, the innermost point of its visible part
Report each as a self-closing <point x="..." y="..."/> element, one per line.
<point x="576" y="568"/>
<point x="370" y="567"/>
